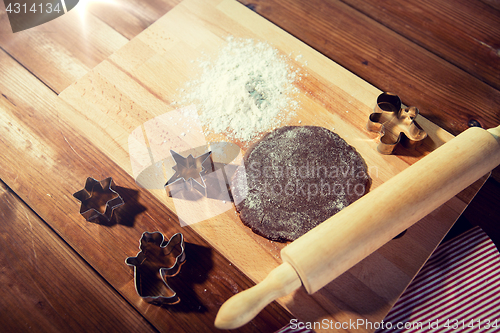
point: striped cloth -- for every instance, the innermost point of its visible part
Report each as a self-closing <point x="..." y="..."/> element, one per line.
<point x="458" y="290"/>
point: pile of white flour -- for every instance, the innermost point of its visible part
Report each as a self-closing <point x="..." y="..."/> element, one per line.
<point x="247" y="90"/>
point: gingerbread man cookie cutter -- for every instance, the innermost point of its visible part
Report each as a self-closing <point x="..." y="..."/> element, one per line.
<point x="395" y="124"/>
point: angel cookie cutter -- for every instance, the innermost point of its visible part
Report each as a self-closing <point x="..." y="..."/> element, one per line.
<point x="158" y="260"/>
<point x="395" y="124"/>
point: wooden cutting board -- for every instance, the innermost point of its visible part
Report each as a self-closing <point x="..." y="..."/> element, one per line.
<point x="134" y="88"/>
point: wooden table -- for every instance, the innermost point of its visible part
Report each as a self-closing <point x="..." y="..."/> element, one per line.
<point x="443" y="57"/>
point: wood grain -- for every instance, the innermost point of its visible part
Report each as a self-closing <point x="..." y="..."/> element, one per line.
<point x="127" y="17"/>
<point x="78" y="41"/>
<point x="472" y="46"/>
<point x="353" y="40"/>
<point x="63" y="50"/>
<point x="55" y="162"/>
<point x="47" y="286"/>
<point x="331" y="248"/>
<point x="57" y="62"/>
<point x="138" y="84"/>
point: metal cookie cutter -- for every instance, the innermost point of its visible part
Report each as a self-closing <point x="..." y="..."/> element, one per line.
<point x="189" y="173"/>
<point x="98" y="199"/>
<point x="157" y="260"/>
<point x="395" y="124"/>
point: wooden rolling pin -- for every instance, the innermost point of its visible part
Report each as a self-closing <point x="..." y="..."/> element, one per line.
<point x="334" y="246"/>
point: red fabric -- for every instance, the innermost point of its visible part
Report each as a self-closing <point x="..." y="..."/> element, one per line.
<point x="458" y="290"/>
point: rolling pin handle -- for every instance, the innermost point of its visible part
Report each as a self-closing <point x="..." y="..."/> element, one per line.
<point x="244" y="306"/>
<point x="347" y="238"/>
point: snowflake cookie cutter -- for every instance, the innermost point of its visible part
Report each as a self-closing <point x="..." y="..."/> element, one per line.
<point x="158" y="260"/>
<point x="98" y="199"/>
<point x="189" y="173"/>
<point x="395" y="124"/>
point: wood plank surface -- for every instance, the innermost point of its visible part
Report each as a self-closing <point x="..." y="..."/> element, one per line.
<point x="444" y="93"/>
<point x="473" y="46"/>
<point x="384" y="52"/>
<point x="47" y="286"/>
<point x="437" y="60"/>
<point x="55" y="163"/>
<point x="122" y="93"/>
<point x="62" y="50"/>
<point x="51" y="146"/>
<point x="127" y="17"/>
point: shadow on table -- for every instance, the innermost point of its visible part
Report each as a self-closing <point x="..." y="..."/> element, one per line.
<point x="188" y="284"/>
<point x="126" y="214"/>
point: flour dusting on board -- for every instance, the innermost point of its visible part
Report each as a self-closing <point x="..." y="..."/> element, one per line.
<point x="246" y="91"/>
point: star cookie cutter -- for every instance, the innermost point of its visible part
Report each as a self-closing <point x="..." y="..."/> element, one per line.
<point x="98" y="199"/>
<point x="189" y="173"/>
<point x="158" y="260"/>
<point x="395" y="124"/>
